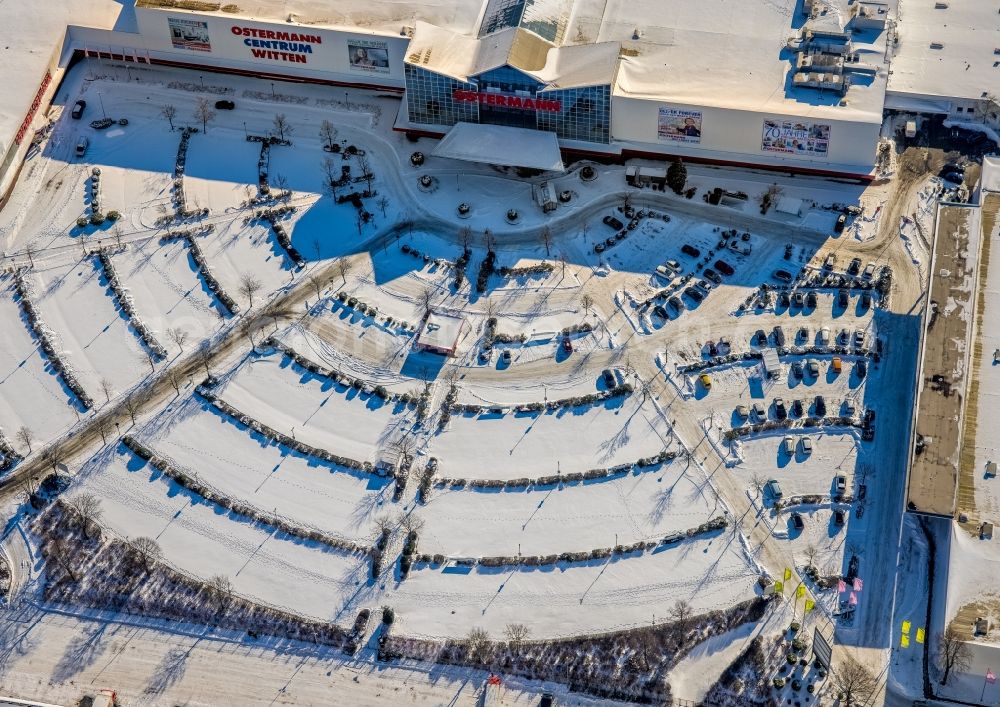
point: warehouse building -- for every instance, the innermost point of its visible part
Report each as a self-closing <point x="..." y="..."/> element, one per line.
<point x="791" y="85"/>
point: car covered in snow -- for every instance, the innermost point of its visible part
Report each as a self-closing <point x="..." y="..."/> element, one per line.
<point x="773" y="488"/>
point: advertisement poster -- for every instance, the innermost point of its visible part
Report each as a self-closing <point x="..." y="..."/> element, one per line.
<point x="794" y="137"/>
<point x="189" y="34"/>
<point x="368" y="55"/>
<point x="679" y="125"/>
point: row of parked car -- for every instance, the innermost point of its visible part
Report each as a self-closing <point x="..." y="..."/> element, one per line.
<point x="757" y="412"/>
<point x="804" y="334"/>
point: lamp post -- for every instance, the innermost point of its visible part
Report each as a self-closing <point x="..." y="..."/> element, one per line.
<point x="100" y="97"/>
<point x="272" y="90"/>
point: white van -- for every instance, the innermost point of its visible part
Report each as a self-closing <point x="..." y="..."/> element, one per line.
<point x="81" y="146"/>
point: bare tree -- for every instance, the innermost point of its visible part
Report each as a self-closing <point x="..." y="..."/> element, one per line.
<point x="117" y="233"/>
<point x="88" y="508"/>
<point x="107" y="388"/>
<point x="516" y="635"/>
<point x="344" y="267"/>
<point x="25" y="436"/>
<point x="30" y="251"/>
<point x="366" y="170"/>
<point x="811" y="552"/>
<point x="410" y="522"/>
<point x="178" y="336"/>
<point x="426" y="298"/>
<point x="681" y="612"/>
<point x="546" y="236"/>
<point x="169" y="112"/>
<point x="990" y="105"/>
<point x="203" y="112"/>
<point x="953" y="653"/>
<point x="478" y="641"/>
<point x="147" y="551"/>
<point x="330" y="177"/>
<point x="220" y="589"/>
<point x="317" y="285"/>
<point x="281" y="182"/>
<point x="247" y="329"/>
<point x="132" y="405"/>
<point x="383" y="525"/>
<point x="853" y="681"/>
<point x="103" y="429"/>
<point x="757" y="481"/>
<point x="175" y="379"/>
<point x="249" y="285"/>
<point x="28" y="488"/>
<point x="58" y="550"/>
<point x="205" y="358"/>
<point x="282" y="126"/>
<point x="491" y="306"/>
<point x="328" y="134"/>
<point x="465" y="236"/>
<point x="587" y="301"/>
<point x="54" y="457"/>
<point x="488" y="238"/>
<point x="383" y="204"/>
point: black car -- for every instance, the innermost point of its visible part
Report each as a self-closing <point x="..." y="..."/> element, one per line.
<point x="820" y="406"/>
<point x="694" y="294"/>
<point x="855" y="267"/>
<point x="676" y="303"/>
<point x="713" y="276"/>
<point x="866" y="299"/>
<point x="77" y="111"/>
<point x="783" y="300"/>
<point x="862" y="369"/>
<point x="609" y="379"/>
<point x="599" y="248"/>
<point x="225" y="105"/>
<point x="797" y="408"/>
<point x="724" y="267"/>
<point x="842" y="298"/>
<point x="782" y="275"/>
<point x="779" y="409"/>
<point x="660" y="311"/>
<point x="811" y="299"/>
<point x="838" y="517"/>
<point x="690" y="250"/>
<point x="546" y="700"/>
<point x="779" y="336"/>
<point x="609" y="242"/>
<point x="613" y="222"/>
<point x="797" y="521"/>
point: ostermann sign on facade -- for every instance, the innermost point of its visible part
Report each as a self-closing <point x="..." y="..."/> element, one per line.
<point x="277" y="45"/>
<point x="507" y="100"/>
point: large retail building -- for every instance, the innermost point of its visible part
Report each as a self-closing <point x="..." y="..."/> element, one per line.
<point x="795" y="85"/>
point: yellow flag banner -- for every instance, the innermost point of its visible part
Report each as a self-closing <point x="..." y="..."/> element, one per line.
<point x="788" y="574"/>
<point x="800" y="591"/>
<point x="920" y="635"/>
<point x="810" y="605"/>
<point x="779" y="588"/>
<point x="906" y="627"/>
<point x="904" y="641"/>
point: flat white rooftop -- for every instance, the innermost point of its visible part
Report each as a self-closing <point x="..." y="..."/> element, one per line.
<point x="964" y="65"/>
<point x="502" y="145"/>
<point x="441" y="331"/>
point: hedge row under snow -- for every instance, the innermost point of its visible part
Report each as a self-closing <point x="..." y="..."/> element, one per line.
<point x="128" y="305"/>
<point x="624" y="389"/>
<point x="188" y="481"/>
<point x="206" y="272"/>
<point x="48" y="341"/>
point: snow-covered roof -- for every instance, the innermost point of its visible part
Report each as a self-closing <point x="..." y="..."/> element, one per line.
<point x="441" y="331"/>
<point x="31" y="35"/>
<point x="383" y="16"/>
<point x="460" y="56"/>
<point x="502" y="145"/>
<point x="947" y="48"/>
<point x="733" y="55"/>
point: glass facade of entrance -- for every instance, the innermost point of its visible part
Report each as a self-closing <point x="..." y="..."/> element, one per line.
<point x="506" y="96"/>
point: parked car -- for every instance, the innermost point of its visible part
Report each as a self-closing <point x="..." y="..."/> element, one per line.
<point x="567" y="345"/>
<point x="742" y="412"/>
<point x="798" y="299"/>
<point x="712" y="276"/>
<point x="803" y="334"/>
<point x="547" y="700"/>
<point x="779" y="409"/>
<point x="806" y="445"/>
<point x="840" y="485"/>
<point x="758" y="411"/>
<point x="225" y="104"/>
<point x="773" y="487"/>
<point x="614" y="223"/>
<point x="779" y="336"/>
<point x="836" y="365"/>
<point x="676" y="303"/>
<point x="843" y="337"/>
<point x="599" y="248"/>
<point x="796" y="370"/>
<point x="694" y="294"/>
<point x="704" y="284"/>
<point x="811" y="299"/>
<point x="813" y="368"/>
<point x="824" y="336"/>
<point x="81" y="146"/>
<point x="855" y="267"/>
<point x="783" y="299"/>
<point x="797" y="521"/>
<point x="759" y="338"/>
<point x="688" y="249"/>
<point x="505" y="356"/>
<point x="866" y="299"/>
<point x="820" y="406"/>
<point x="869" y="272"/>
<point x="724" y="267"/>
<point x="850" y="409"/>
<point x="860" y="338"/>
<point x="782" y="275"/>
<point x="660" y="311"/>
<point x="705" y="380"/>
<point x="862" y="369"/>
<point x="675" y="266"/>
<point x="78" y="109"/>
<point x="838" y="517"/>
<point x="830" y="263"/>
<point x="797" y="408"/>
<point x="665" y="273"/>
<point x="842" y="298"/>
<point x="788" y="444"/>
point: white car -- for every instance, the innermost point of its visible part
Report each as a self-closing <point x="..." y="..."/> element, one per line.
<point x="81" y="146"/>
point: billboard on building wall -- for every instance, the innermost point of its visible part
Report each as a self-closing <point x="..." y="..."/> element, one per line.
<point x="189" y="34"/>
<point x="368" y="55"/>
<point x="796" y="137"/>
<point x="679" y="125"/>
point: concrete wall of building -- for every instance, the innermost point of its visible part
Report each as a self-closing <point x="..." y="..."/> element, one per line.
<point x="256" y="47"/>
<point x="739" y="135"/>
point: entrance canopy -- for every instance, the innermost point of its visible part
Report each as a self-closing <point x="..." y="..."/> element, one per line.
<point x="502" y="145"/>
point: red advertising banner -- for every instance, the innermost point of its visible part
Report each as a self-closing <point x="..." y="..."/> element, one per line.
<point x="506" y="100"/>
